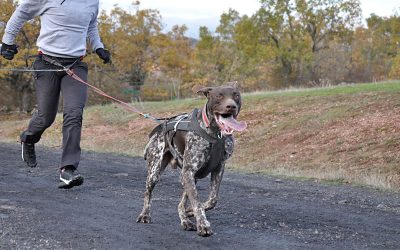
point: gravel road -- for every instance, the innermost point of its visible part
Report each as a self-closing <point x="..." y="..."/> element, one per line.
<point x="254" y="212"/>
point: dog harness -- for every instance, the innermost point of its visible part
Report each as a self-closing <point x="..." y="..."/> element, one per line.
<point x="184" y="123"/>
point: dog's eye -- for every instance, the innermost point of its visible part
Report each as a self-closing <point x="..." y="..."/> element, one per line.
<point x="220" y="96"/>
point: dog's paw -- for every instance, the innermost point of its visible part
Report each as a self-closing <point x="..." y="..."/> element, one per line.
<point x="204" y="231"/>
<point x="144" y="218"/>
<point x="187" y="225"/>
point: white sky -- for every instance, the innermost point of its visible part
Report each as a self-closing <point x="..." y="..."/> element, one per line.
<point x="196" y="13"/>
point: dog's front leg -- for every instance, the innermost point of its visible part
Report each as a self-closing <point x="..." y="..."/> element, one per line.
<point x="188" y="182"/>
<point x="216" y="175"/>
<point x="216" y="178"/>
<point x="186" y="223"/>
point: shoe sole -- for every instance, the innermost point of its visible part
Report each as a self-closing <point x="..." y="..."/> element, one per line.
<point x="22" y="156"/>
<point x="77" y="181"/>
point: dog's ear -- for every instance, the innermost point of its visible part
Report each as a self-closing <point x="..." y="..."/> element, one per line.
<point x="196" y="88"/>
<point x="234" y="84"/>
<point x="202" y="90"/>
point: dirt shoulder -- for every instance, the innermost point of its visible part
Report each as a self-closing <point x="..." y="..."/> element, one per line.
<point x="254" y="212"/>
<point x="348" y="134"/>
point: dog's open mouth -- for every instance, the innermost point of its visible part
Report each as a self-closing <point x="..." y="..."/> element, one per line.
<point x="227" y="123"/>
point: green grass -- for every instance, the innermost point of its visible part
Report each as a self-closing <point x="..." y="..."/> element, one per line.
<point x="390" y="86"/>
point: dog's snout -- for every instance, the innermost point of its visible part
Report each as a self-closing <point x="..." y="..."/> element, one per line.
<point x="231" y="107"/>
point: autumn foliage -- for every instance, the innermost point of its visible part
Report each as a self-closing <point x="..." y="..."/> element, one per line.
<point x="285" y="43"/>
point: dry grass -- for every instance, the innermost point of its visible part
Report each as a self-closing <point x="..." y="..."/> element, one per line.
<point x="341" y="134"/>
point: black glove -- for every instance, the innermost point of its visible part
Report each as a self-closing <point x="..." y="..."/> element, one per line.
<point x="8" y="51"/>
<point x="104" y="55"/>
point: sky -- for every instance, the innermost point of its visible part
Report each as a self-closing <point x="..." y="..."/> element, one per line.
<point x="196" y="13"/>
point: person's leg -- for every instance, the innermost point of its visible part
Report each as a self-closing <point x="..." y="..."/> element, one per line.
<point x="47" y="86"/>
<point x="74" y="96"/>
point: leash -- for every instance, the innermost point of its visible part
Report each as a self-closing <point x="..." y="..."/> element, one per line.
<point x="123" y="104"/>
<point x="102" y="93"/>
<point x="31" y="70"/>
<point x="67" y="69"/>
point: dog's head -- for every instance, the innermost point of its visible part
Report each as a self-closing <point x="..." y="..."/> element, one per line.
<point x="223" y="107"/>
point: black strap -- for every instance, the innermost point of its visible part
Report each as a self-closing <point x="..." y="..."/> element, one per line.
<point x="57" y="63"/>
<point x="177" y="156"/>
<point x="199" y="130"/>
<point x="168" y="125"/>
<point x="175" y="123"/>
<point x="217" y="153"/>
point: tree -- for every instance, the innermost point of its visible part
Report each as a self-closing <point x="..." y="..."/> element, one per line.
<point x="130" y="38"/>
<point x="385" y="42"/>
<point x="375" y="49"/>
<point x="300" y="29"/>
<point x="19" y="84"/>
<point x="231" y="54"/>
<point x="205" y="60"/>
<point x="174" y="61"/>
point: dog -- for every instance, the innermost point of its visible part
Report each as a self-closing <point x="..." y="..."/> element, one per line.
<point x="199" y="143"/>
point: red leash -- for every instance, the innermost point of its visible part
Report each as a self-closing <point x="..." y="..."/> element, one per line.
<point x="102" y="93"/>
<point x="97" y="90"/>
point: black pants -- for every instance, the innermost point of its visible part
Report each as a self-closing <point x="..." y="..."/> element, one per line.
<point x="48" y="86"/>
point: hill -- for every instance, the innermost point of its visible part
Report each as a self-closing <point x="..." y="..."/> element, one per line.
<point x="345" y="133"/>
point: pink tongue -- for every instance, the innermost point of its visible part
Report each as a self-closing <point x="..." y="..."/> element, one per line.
<point x="233" y="124"/>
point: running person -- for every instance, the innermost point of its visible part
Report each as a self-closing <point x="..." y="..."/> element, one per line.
<point x="66" y="25"/>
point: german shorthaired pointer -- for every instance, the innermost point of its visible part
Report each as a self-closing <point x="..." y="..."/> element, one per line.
<point x="199" y="143"/>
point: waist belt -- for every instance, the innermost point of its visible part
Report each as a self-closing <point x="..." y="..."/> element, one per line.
<point x="60" y="61"/>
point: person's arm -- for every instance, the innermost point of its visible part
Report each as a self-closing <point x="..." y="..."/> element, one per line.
<point x="24" y="12"/>
<point x="93" y="34"/>
<point x="95" y="41"/>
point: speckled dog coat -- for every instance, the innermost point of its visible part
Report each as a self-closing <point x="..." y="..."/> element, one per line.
<point x="199" y="143"/>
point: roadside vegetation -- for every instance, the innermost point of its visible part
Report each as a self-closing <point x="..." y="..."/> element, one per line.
<point x="283" y="44"/>
<point x="348" y="133"/>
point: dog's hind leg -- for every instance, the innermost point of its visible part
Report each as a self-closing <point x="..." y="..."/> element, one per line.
<point x="186" y="223"/>
<point x="157" y="161"/>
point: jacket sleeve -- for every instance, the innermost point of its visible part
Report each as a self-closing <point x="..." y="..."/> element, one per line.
<point x="27" y="10"/>
<point x="93" y="34"/>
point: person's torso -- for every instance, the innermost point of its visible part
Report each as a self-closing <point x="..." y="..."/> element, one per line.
<point x="64" y="27"/>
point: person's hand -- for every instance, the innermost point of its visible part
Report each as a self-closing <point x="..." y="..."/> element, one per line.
<point x="8" y="51"/>
<point x="104" y="55"/>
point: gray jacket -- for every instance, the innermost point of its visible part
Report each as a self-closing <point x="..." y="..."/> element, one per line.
<point x="65" y="25"/>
